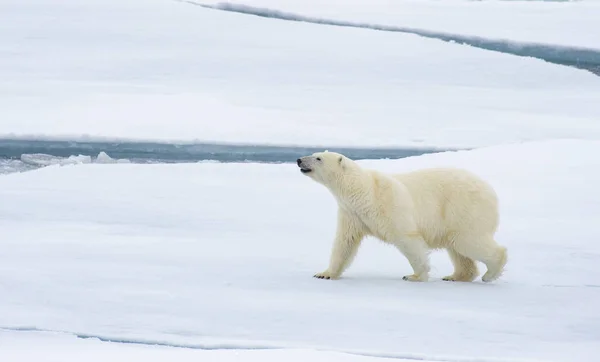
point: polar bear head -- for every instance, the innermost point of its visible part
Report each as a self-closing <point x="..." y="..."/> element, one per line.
<point x="327" y="168"/>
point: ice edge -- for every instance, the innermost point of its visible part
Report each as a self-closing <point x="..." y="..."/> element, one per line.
<point x="578" y="57"/>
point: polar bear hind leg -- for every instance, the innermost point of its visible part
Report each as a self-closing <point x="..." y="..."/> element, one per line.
<point x="483" y="249"/>
<point x="465" y="269"/>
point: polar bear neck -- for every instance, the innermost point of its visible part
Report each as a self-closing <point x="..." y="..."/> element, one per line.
<point x="352" y="188"/>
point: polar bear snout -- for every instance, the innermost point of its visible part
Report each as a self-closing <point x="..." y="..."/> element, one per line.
<point x="305" y="164"/>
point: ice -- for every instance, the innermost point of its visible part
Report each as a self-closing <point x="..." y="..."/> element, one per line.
<point x="104" y="158"/>
<point x="585" y="58"/>
<point x="218" y="255"/>
<point x="33" y="347"/>
<point x="214" y="261"/>
<point x="40" y="159"/>
<point x="542" y="22"/>
<point x="9" y="166"/>
<point x="162" y="70"/>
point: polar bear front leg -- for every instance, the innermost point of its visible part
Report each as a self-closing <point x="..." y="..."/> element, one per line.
<point x="416" y="251"/>
<point x="348" y="237"/>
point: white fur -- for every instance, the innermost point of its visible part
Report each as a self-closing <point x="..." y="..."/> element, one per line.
<point x="441" y="208"/>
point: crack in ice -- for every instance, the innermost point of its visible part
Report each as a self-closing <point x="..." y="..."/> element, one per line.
<point x="582" y="58"/>
<point x="257" y="346"/>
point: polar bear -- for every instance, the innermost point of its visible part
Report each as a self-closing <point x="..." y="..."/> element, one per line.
<point x="419" y="211"/>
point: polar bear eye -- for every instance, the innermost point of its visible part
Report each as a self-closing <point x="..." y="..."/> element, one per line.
<point x="318" y="158"/>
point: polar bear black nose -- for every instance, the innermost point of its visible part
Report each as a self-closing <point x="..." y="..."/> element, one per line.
<point x="298" y="161"/>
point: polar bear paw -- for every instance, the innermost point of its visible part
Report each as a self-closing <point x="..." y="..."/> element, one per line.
<point x="325" y="275"/>
<point x="460" y="278"/>
<point x="415" y="278"/>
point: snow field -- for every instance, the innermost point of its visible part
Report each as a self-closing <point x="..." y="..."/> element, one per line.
<point x="540" y="21"/>
<point x="170" y="71"/>
<point x="209" y="254"/>
<point x="16" y="347"/>
<point x="212" y="255"/>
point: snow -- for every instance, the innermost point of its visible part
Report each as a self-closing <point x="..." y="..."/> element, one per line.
<point x="160" y="70"/>
<point x="102" y="259"/>
<point x="563" y="23"/>
<point x="16" y="347"/>
<point x="212" y="255"/>
<point x="583" y="58"/>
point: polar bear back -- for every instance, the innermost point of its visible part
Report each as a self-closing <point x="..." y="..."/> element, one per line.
<point x="450" y="202"/>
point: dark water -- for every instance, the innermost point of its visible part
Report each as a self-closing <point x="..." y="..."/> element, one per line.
<point x="21" y="155"/>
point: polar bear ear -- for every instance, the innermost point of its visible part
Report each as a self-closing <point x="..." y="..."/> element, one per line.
<point x="341" y="161"/>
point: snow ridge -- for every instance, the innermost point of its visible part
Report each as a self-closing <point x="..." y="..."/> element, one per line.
<point x="257" y="346"/>
<point x="583" y="58"/>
